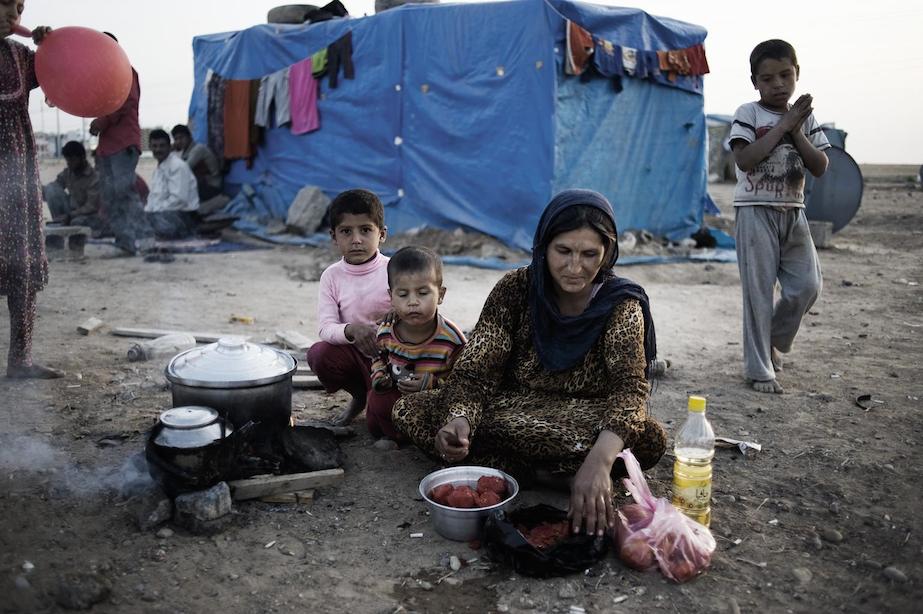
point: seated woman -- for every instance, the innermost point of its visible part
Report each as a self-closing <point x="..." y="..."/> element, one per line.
<point x="553" y="379"/>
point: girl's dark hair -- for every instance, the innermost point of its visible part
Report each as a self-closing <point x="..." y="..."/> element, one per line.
<point x="585" y="216"/>
<point x="773" y="49"/>
<point x="414" y="259"/>
<point x="356" y="202"/>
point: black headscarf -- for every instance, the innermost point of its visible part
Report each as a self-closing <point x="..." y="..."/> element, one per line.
<point x="562" y="342"/>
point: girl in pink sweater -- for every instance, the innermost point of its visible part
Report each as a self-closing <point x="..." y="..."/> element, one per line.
<point x="352" y="298"/>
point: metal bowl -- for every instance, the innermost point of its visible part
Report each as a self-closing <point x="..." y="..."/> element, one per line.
<point x="463" y="524"/>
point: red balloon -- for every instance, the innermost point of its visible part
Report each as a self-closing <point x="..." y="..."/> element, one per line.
<point x="83" y="72"/>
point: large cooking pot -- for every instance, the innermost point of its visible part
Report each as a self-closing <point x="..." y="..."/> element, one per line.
<point x="243" y="381"/>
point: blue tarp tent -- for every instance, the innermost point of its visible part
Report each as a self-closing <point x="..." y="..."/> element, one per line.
<point x="460" y="115"/>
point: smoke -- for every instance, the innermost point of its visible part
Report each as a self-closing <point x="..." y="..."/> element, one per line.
<point x="24" y="453"/>
<point x="27" y="456"/>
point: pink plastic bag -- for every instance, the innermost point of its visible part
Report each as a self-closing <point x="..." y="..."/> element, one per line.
<point x="652" y="532"/>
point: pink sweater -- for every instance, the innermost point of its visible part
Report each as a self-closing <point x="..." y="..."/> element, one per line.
<point x="351" y="294"/>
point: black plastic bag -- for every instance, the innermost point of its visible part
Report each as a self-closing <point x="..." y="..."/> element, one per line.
<point x="572" y="554"/>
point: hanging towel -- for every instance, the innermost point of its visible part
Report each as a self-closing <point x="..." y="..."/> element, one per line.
<point x="303" y="98"/>
<point x="237" y="119"/>
<point x="340" y="53"/>
<point x="579" y="49"/>
<point x="274" y="94"/>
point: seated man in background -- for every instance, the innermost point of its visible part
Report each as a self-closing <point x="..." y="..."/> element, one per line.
<point x="201" y="160"/>
<point x="174" y="200"/>
<point x="73" y="197"/>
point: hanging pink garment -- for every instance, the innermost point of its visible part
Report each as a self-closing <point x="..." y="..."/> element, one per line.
<point x="303" y="96"/>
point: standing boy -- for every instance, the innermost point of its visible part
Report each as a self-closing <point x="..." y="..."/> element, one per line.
<point x="773" y="143"/>
<point x="116" y="160"/>
<point x="352" y="298"/>
<point x="419" y="347"/>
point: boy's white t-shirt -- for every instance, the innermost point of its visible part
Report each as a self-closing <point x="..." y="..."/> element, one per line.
<point x="778" y="180"/>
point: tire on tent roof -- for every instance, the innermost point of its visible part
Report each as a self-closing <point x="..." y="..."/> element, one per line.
<point x="289" y="13"/>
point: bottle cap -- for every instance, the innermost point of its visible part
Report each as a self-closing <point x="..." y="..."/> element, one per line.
<point x="696" y="404"/>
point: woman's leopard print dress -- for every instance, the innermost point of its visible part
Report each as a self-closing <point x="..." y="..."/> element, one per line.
<point x="525" y="418"/>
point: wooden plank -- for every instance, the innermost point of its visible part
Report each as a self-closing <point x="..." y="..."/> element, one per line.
<point x="303" y="497"/>
<point x="264" y="485"/>
<point x="153" y="333"/>
<point x="306" y="382"/>
<point x="294" y="340"/>
<point x="338" y="431"/>
<point x="304" y="370"/>
<point x="89" y="326"/>
<point x="66" y="231"/>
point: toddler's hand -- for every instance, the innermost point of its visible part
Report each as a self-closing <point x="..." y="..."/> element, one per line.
<point x="389" y="318"/>
<point x="414" y="383"/>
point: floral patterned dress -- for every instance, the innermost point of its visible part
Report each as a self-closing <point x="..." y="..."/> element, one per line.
<point x="23" y="265"/>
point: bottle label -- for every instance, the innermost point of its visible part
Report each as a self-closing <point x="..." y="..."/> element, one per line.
<point x="691" y="486"/>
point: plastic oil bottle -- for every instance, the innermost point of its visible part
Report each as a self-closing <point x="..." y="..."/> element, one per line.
<point x="694" y="448"/>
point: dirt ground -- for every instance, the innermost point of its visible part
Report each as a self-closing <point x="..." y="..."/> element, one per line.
<point x="824" y="519"/>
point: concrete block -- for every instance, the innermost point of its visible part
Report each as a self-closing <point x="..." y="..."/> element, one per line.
<point x="66" y="241"/>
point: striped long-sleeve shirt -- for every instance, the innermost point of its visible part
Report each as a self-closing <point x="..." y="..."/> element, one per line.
<point x="432" y="358"/>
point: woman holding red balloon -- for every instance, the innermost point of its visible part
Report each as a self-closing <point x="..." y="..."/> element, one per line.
<point x="23" y="265"/>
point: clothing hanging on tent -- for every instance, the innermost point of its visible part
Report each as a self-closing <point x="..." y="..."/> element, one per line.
<point x="303" y="91"/>
<point x="273" y="95"/>
<point x="237" y="119"/>
<point x="579" y="49"/>
<point x="340" y="53"/>
<point x="319" y="62"/>
<point x="216" y="92"/>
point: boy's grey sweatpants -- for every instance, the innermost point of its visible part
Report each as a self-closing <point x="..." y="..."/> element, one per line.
<point x="774" y="243"/>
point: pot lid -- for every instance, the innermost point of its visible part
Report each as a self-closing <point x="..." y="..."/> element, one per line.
<point x="232" y="362"/>
<point x="188" y="417"/>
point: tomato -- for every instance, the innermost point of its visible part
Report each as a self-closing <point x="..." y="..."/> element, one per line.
<point x="441" y="493"/>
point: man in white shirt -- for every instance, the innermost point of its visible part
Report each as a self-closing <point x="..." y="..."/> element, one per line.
<point x="174" y="199"/>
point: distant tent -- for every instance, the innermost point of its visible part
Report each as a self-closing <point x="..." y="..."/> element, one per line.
<point x="460" y="115"/>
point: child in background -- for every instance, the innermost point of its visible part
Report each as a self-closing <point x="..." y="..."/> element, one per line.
<point x="773" y="143"/>
<point x="352" y="298"/>
<point x="418" y="348"/>
<point x="23" y="265"/>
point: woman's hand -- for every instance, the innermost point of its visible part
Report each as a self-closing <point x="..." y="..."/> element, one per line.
<point x="452" y="441"/>
<point x="591" y="492"/>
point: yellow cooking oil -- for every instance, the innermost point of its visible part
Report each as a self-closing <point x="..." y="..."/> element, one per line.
<point x="693" y="449"/>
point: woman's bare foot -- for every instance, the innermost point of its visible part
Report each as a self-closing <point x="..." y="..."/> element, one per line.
<point x="776" y="357"/>
<point x="769" y="385"/>
<point x="33" y="372"/>
<point x="352" y="410"/>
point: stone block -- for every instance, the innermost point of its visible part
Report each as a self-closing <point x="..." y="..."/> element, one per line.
<point x="209" y="504"/>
